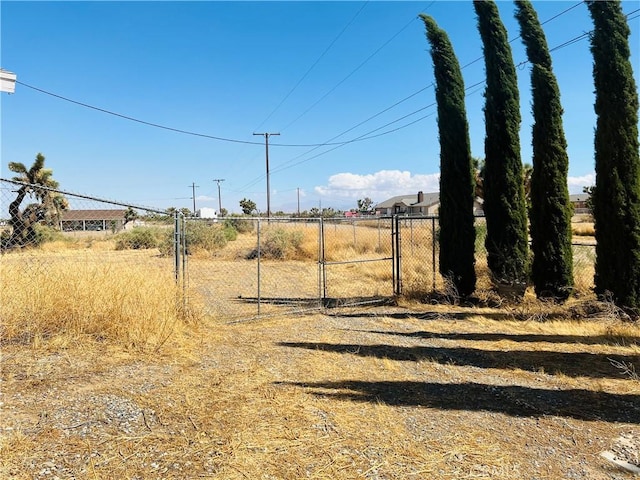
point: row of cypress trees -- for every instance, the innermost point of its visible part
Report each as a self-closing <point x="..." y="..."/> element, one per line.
<point x="616" y="198"/>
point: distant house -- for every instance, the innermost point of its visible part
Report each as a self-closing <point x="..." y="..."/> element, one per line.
<point x="419" y="204"/>
<point x="579" y="202"/>
<point x="92" y="220"/>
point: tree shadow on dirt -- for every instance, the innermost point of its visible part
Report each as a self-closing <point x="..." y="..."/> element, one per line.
<point x="577" y="364"/>
<point x="524" y="338"/>
<point x="511" y="400"/>
<point x="540" y="312"/>
<point x="419" y="315"/>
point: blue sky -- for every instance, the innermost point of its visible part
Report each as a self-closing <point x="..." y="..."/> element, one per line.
<point x="316" y="72"/>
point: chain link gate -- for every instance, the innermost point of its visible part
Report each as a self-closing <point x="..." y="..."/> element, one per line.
<point x="415" y="262"/>
<point x="357" y="260"/>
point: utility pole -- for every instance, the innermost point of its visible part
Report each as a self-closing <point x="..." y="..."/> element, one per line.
<point x="219" y="197"/>
<point x="266" y="142"/>
<point x="193" y="189"/>
<point x="298" y="201"/>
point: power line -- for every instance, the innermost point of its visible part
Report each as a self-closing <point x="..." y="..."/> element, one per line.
<point x="368" y="136"/>
<point x="314" y="64"/>
<point x="164" y="127"/>
<point x="137" y="120"/>
<point x="365" y="137"/>
<point x="177" y="130"/>
<point x="561" y="13"/>
<point x="314" y="145"/>
<point x="332" y="89"/>
<point x="246" y="142"/>
<point x="328" y="143"/>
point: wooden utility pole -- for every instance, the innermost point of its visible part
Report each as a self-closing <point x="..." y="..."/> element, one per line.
<point x="218" y="180"/>
<point x="266" y="142"/>
<point x="193" y="189"/>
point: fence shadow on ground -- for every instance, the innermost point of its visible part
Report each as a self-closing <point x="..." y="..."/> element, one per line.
<point x="578" y="364"/>
<point x="511" y="400"/>
<point x="327" y="302"/>
<point x="521" y="338"/>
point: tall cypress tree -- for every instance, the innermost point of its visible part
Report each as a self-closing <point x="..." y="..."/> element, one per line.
<point x="616" y="198"/>
<point x="550" y="212"/>
<point x="504" y="199"/>
<point x="457" y="233"/>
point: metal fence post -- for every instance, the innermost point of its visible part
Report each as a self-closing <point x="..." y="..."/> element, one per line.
<point x="176" y="245"/>
<point x="320" y="263"/>
<point x="184" y="260"/>
<point x="353" y="222"/>
<point x="323" y="260"/>
<point x="395" y="255"/>
<point x="433" y="251"/>
<point x="258" y="293"/>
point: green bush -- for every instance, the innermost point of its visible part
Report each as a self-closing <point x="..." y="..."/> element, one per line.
<point x="240" y="225"/>
<point x="139" y="238"/>
<point x="230" y="233"/>
<point x="44" y="234"/>
<point x="200" y="235"/>
<point x="280" y="244"/>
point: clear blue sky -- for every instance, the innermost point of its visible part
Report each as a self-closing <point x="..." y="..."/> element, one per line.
<point x="308" y="70"/>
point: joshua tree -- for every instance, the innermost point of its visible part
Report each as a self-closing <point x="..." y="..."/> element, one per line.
<point x="46" y="209"/>
<point x="247" y="206"/>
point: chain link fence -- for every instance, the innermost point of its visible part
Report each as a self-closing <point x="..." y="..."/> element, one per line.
<point x="235" y="267"/>
<point x="83" y="265"/>
<point x="420" y="251"/>
<point x="40" y="224"/>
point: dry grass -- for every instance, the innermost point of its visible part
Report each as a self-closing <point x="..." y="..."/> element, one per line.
<point x="359" y="394"/>
<point x="104" y="375"/>
<point x="52" y="294"/>
<point x="583" y="229"/>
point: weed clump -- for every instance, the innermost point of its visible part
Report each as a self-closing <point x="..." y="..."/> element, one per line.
<point x="140" y="238"/>
<point x="41" y="234"/>
<point x="280" y="244"/>
<point x="240" y="225"/>
<point x="200" y="237"/>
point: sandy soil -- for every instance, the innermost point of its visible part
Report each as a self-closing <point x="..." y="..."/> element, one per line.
<point x="376" y="393"/>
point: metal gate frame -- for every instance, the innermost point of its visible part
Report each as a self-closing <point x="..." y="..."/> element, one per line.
<point x="394" y="259"/>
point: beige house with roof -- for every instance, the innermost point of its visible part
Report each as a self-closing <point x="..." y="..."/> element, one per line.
<point x="420" y="204"/>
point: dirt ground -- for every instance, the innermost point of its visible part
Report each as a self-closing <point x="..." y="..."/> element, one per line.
<point x="368" y="393"/>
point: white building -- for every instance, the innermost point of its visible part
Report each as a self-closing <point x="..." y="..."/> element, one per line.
<point x="208" y="213"/>
<point x="7" y="81"/>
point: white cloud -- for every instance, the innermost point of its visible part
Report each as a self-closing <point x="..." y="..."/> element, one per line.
<point x="205" y="198"/>
<point x="378" y="186"/>
<point x="576" y="183"/>
<point x="388" y="183"/>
